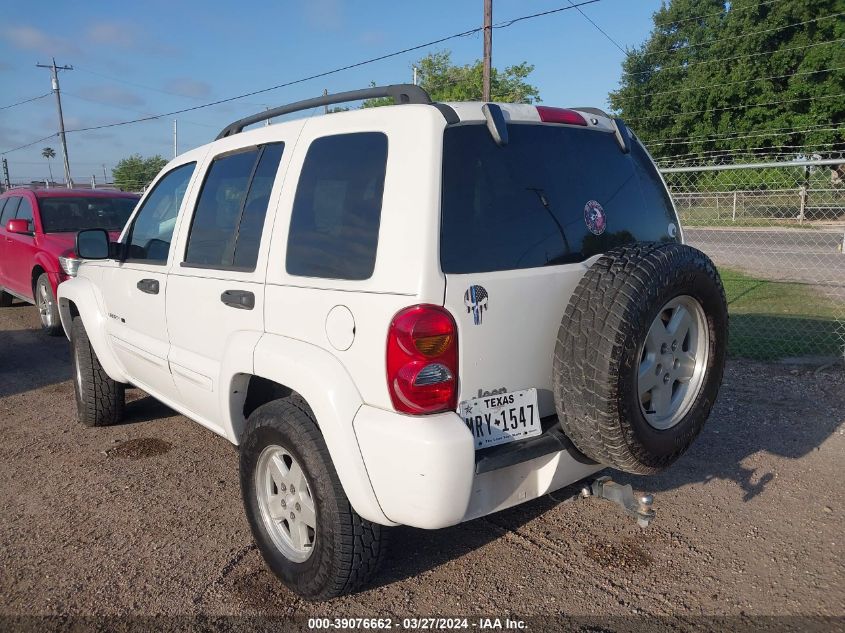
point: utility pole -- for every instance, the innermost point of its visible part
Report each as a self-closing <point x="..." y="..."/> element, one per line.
<point x="6" y="175"/>
<point x="415" y="75"/>
<point x="55" y="76"/>
<point x="175" y="140"/>
<point x="488" y="49"/>
<point x="93" y="181"/>
<point x="326" y="107"/>
<point x="105" y="178"/>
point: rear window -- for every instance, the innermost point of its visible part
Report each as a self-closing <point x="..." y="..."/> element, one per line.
<point x="71" y="214"/>
<point x="534" y="201"/>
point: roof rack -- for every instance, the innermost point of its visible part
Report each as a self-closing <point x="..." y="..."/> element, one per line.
<point x="401" y="93"/>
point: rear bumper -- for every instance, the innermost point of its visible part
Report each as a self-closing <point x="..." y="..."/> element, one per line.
<point x="423" y="470"/>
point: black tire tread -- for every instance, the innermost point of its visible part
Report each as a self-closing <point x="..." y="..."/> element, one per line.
<point x="361" y="544"/>
<point x="54" y="330"/>
<point x="594" y="331"/>
<point x="102" y="400"/>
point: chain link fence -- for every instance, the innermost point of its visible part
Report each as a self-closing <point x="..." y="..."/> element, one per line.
<point x="777" y="233"/>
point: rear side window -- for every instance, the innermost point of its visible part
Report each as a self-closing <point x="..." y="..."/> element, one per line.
<point x="337" y="209"/>
<point x="533" y="202"/>
<point x="229" y="217"/>
<point x="72" y="214"/>
<point x="152" y="229"/>
<point x="9" y="210"/>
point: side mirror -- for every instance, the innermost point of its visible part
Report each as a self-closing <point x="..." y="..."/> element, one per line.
<point x="18" y="226"/>
<point x="92" y="244"/>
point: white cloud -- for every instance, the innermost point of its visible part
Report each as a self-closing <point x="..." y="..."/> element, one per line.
<point x="113" y="95"/>
<point x="111" y="34"/>
<point x="188" y="87"/>
<point x="324" y="14"/>
<point x="29" y="38"/>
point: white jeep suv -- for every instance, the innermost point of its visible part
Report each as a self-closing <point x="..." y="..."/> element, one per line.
<point x="416" y="314"/>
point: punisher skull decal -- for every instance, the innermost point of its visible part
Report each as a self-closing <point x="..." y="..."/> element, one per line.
<point x="475" y="299"/>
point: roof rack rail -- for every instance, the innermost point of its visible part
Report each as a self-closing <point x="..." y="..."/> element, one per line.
<point x="401" y="93"/>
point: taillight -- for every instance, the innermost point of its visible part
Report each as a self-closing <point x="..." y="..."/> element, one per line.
<point x="422" y="360"/>
<point x="560" y="115"/>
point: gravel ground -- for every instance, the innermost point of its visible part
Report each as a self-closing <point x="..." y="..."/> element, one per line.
<point x="145" y="519"/>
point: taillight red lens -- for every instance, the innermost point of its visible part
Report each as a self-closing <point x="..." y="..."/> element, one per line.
<point x="422" y="360"/>
<point x="560" y="115"/>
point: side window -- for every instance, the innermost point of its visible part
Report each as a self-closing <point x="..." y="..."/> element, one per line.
<point x="337" y="209"/>
<point x="25" y="213"/>
<point x="152" y="229"/>
<point x="9" y="210"/>
<point x="229" y="216"/>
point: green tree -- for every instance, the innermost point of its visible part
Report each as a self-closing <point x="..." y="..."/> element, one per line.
<point x="49" y="153"/>
<point x="719" y="79"/>
<point x="135" y="172"/>
<point x="445" y="81"/>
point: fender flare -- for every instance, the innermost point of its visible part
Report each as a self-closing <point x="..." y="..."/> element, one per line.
<point x="322" y="380"/>
<point x="84" y="295"/>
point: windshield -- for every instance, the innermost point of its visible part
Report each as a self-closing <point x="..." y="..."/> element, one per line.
<point x="71" y="214"/>
<point x="553" y="195"/>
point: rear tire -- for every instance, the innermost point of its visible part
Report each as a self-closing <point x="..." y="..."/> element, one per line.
<point x="640" y="355"/>
<point x="99" y="399"/>
<point x="311" y="537"/>
<point x="48" y="307"/>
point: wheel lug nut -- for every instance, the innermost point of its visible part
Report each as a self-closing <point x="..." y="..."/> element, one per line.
<point x="284" y="503"/>
<point x="292" y="489"/>
<point x="292" y="516"/>
<point x="666" y="378"/>
<point x="282" y="487"/>
<point x="663" y="348"/>
<point x="297" y="507"/>
<point x="674" y="345"/>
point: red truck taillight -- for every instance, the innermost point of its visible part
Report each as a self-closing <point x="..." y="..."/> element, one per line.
<point x="422" y="360"/>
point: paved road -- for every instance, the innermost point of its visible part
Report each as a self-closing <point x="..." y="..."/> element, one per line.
<point x="145" y="518"/>
<point x="803" y="255"/>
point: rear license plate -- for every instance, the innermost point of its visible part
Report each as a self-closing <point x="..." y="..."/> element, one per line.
<point x="502" y="418"/>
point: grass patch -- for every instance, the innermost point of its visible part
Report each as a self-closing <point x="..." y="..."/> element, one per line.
<point x="773" y="319"/>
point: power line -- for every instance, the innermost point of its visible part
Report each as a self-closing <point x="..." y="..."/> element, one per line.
<point x="14" y="149"/>
<point x="600" y="30"/>
<point x="738" y="107"/>
<point x="722" y="60"/>
<point x="706" y="136"/>
<point x="504" y="24"/>
<point x="744" y="35"/>
<point x="686" y="140"/>
<point x="6" y="107"/>
<point x="710" y="15"/>
<point x="743" y="81"/>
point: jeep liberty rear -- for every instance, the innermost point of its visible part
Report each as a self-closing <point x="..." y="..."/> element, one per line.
<point x="412" y="315"/>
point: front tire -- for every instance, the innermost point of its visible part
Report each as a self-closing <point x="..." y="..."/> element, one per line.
<point x="99" y="399"/>
<point x="302" y="521"/>
<point x="48" y="307"/>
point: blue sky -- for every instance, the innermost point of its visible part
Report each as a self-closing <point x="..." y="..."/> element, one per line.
<point x="140" y="58"/>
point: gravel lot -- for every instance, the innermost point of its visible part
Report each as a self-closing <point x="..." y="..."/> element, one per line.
<point x="145" y="518"/>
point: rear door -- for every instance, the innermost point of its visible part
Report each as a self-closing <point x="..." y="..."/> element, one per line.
<point x="216" y="287"/>
<point x="520" y="224"/>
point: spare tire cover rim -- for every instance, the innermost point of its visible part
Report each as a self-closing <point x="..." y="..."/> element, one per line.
<point x="673" y="362"/>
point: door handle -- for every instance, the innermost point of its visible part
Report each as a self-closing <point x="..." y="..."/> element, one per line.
<point x="150" y="286"/>
<point x="240" y="299"/>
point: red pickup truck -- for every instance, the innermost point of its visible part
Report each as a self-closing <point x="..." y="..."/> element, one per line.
<point x="37" y="238"/>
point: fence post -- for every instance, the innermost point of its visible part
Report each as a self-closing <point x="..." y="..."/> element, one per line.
<point x="734" y="212"/>
<point x="718" y="214"/>
<point x="802" y="192"/>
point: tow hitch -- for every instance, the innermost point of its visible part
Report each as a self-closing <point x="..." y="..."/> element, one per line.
<point x="623" y="496"/>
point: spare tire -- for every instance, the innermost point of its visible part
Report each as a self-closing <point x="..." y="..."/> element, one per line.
<point x="640" y="355"/>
